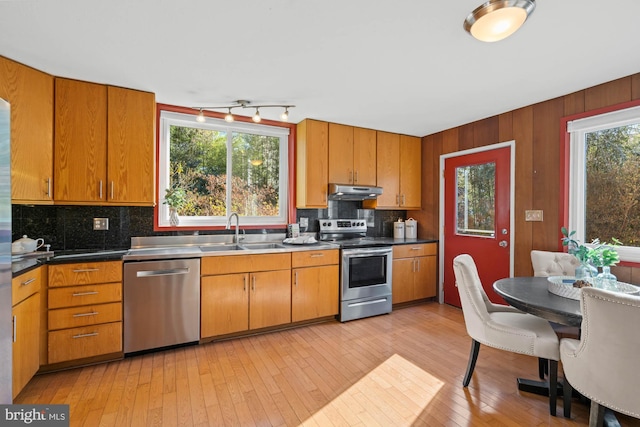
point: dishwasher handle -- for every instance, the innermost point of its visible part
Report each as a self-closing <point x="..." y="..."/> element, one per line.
<point x="166" y="272"/>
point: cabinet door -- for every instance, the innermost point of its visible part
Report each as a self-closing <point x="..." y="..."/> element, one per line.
<point x="312" y="171"/>
<point x="270" y="299"/>
<point x="364" y="156"/>
<point x="224" y="304"/>
<point x="410" y="172"/>
<point x="425" y="277"/>
<point x="314" y="292"/>
<point x="30" y="93"/>
<point x="131" y="146"/>
<point x="80" y="168"/>
<point x="388" y="169"/>
<point x="341" y="154"/>
<point x="26" y="347"/>
<point x="402" y="277"/>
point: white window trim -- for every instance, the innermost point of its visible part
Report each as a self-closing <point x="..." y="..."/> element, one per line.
<point x="169" y="118"/>
<point x="577" y="130"/>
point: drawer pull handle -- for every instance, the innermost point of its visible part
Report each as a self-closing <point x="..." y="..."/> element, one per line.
<point x="316" y="255"/>
<point x="92" y="334"/>
<point x="15" y="328"/>
<point x="26" y="282"/>
<point x="415" y="249"/>
<point x="93" y="313"/>
<point x="81" y="294"/>
<point x="85" y="270"/>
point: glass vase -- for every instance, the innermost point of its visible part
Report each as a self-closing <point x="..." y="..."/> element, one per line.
<point x="174" y="219"/>
<point x="606" y="280"/>
<point x="585" y="270"/>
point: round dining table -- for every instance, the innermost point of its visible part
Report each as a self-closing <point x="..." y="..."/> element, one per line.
<point x="531" y="295"/>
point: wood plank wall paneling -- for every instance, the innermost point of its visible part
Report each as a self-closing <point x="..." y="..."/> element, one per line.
<point x="523" y="135"/>
<point x="536" y="130"/>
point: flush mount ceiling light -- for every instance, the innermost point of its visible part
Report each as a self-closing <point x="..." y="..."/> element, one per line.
<point x="498" y="19"/>
<point x="242" y="103"/>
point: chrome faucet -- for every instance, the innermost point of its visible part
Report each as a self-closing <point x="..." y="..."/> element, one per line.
<point x="228" y="227"/>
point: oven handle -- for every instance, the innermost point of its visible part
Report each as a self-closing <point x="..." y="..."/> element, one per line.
<point x="363" y="252"/>
<point x="375" y="301"/>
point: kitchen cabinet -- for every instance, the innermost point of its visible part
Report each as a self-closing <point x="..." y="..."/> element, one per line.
<point x="244" y="292"/>
<point x="399" y="171"/>
<point x="352" y="155"/>
<point x="312" y="170"/>
<point x="104" y="144"/>
<point x="315" y="284"/>
<point x="414" y="272"/>
<point x="85" y="311"/>
<point x="30" y="93"/>
<point x="25" y="290"/>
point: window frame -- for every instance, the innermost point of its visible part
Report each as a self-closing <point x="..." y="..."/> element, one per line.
<point x="241" y="123"/>
<point x="573" y="158"/>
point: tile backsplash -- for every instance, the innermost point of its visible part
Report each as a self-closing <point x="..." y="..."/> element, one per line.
<point x="68" y="228"/>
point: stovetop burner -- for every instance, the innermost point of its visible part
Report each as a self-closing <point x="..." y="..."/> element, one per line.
<point x="348" y="233"/>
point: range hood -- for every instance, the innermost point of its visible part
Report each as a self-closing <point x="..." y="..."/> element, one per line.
<point x="353" y="192"/>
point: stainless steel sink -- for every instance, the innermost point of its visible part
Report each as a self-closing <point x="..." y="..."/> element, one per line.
<point x="221" y="248"/>
<point x="256" y="246"/>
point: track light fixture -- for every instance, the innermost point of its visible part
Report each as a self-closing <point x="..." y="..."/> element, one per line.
<point x="241" y="103"/>
<point x="498" y="19"/>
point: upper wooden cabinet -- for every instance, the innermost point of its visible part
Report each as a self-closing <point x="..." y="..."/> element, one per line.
<point x="30" y="93"/>
<point x="104" y="144"/>
<point x="399" y="171"/>
<point x="131" y="146"/>
<point x="312" y="155"/>
<point x="352" y="155"/>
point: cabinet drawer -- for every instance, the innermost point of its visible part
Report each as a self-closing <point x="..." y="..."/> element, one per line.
<point x="88" y="341"/>
<point x="419" y="249"/>
<point x="313" y="258"/>
<point x="73" y="296"/>
<point x="26" y="285"/>
<point x="85" y="273"/>
<point x="245" y="263"/>
<point x="83" y="316"/>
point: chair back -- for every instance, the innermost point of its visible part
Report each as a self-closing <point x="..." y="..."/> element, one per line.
<point x="547" y="263"/>
<point x="473" y="298"/>
<point x="603" y="366"/>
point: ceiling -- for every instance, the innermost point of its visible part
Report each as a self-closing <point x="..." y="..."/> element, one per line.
<point x="401" y="66"/>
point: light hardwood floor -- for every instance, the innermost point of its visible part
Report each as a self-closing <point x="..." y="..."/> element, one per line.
<point x="401" y="369"/>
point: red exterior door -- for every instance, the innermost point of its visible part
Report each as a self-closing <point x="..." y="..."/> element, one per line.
<point x="477" y="205"/>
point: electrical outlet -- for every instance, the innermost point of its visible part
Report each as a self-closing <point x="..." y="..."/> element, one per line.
<point x="533" y="215"/>
<point x="304" y="222"/>
<point x="100" y="223"/>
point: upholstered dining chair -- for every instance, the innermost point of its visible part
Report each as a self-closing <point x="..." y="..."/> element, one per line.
<point x="603" y="364"/>
<point x="503" y="327"/>
<point x="546" y="264"/>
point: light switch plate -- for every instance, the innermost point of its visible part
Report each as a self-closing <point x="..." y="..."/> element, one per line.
<point x="533" y="215"/>
<point x="100" y="223"/>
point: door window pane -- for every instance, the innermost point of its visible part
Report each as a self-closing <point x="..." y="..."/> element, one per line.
<point x="476" y="200"/>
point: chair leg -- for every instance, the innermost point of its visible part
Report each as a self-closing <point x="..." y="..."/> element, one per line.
<point x="543" y="367"/>
<point x="473" y="356"/>
<point x="596" y="414"/>
<point x="553" y="386"/>
<point x="567" y="393"/>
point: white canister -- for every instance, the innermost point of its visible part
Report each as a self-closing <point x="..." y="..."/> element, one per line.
<point x="398" y="229"/>
<point x="411" y="229"/>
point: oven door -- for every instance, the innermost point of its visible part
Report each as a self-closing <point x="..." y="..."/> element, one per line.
<point x="365" y="272"/>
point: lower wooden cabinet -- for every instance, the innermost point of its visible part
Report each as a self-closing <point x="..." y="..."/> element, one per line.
<point x="414" y="272"/>
<point x="25" y="299"/>
<point x="26" y="354"/>
<point x="85" y="310"/>
<point x="253" y="292"/>
<point x="314" y="288"/>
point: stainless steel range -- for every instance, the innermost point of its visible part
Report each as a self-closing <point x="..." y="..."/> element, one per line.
<point x="365" y="269"/>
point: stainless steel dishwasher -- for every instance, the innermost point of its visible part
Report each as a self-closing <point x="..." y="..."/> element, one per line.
<point x="161" y="303"/>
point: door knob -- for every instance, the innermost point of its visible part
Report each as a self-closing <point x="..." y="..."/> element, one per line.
<point x="503" y="243"/>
